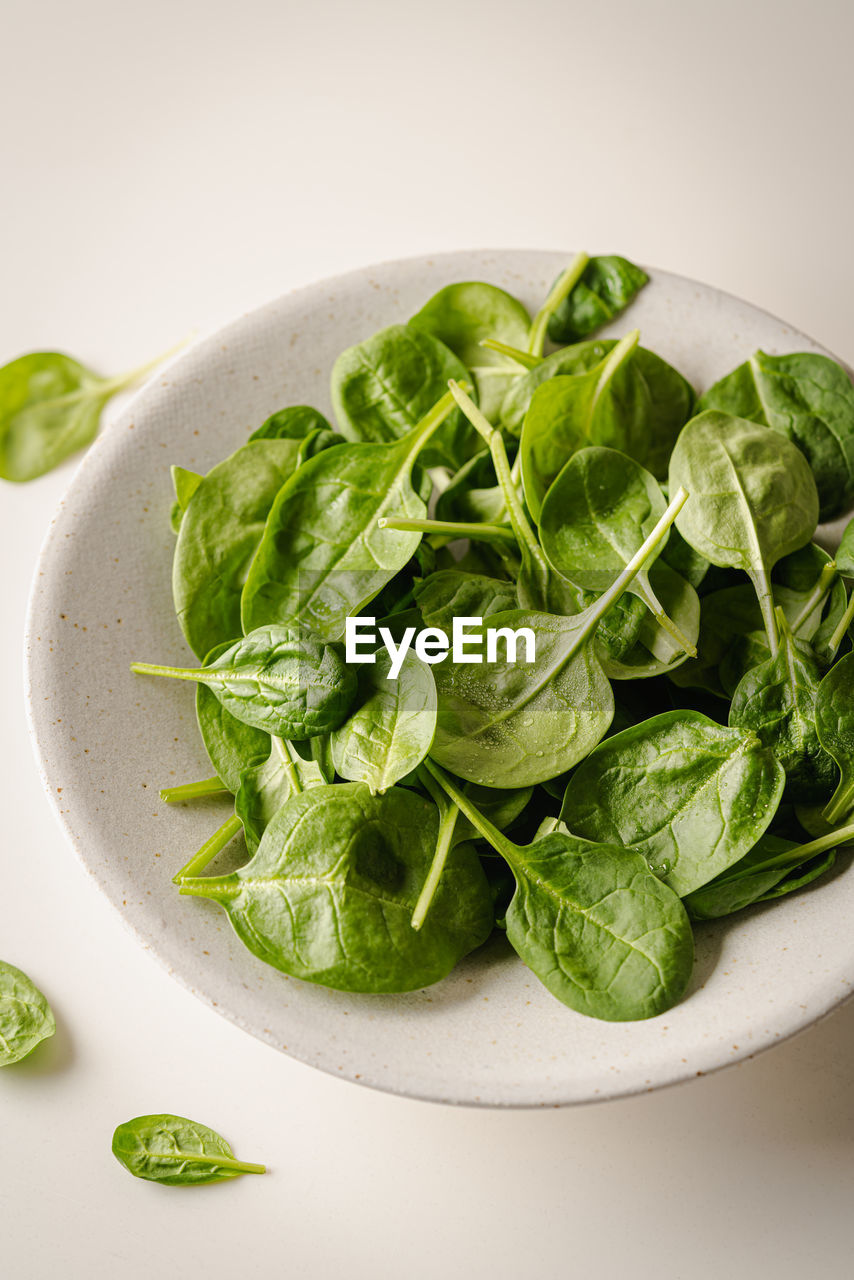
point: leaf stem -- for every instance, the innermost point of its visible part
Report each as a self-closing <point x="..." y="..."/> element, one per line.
<point x="652" y="602"/>
<point x="452" y="529"/>
<point x="524" y="358"/>
<point x="209" y="849"/>
<point x="415" y="440"/>
<point x="765" y="596"/>
<point x="496" y="838"/>
<point x="112" y="385"/>
<point x="793" y="857"/>
<point x="825" y="581"/>
<point x="193" y="790"/>
<point x="841" y="627"/>
<point x="447" y="822"/>
<point x="561" y="289"/>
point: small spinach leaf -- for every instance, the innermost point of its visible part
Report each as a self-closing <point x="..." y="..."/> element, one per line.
<point x="294" y="423"/>
<point x="266" y="784"/>
<point x="176" y="1152"/>
<point x="281" y="681"/>
<point x="606" y="288"/>
<point x="834" y="722"/>
<point x="26" y="1017"/>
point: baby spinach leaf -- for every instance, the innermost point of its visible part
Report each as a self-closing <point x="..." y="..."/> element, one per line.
<point x="50" y="406"/>
<point x="777" y="700"/>
<point x="266" y="784"/>
<point x="329" y="895"/>
<point x="473" y="493"/>
<point x="652" y="650"/>
<point x="385" y="386"/>
<point x="294" y="423"/>
<point x="605" y="405"/>
<point x="220" y="532"/>
<point x="461" y="316"/>
<point x="773" y="868"/>
<point x="176" y="1152"/>
<point x="512" y="723"/>
<point x="231" y="745"/>
<point x="599" y="930"/>
<point x="844" y="557"/>
<point x="390" y="732"/>
<point x="323" y="555"/>
<point x="594" y="518"/>
<point x="834" y="722"/>
<point x="691" y="796"/>
<point x="449" y="594"/>
<point x="808" y="399"/>
<point x="753" y="499"/>
<point x="279" y="680"/>
<point x="26" y="1017"/>
<point x="606" y="288"/>
<point x="671" y="396"/>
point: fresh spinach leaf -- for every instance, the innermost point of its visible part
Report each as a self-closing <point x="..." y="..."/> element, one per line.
<point x="390" y="732"/>
<point x="599" y="930"/>
<point x="384" y="387"/>
<point x="834" y="722"/>
<point x="323" y="555"/>
<point x="808" y="399"/>
<point x="753" y="499"/>
<point x="279" y="680"/>
<point x="606" y="288"/>
<point x="690" y="795"/>
<point x="461" y="316"/>
<point x="266" y="784"/>
<point x="26" y="1017"/>
<point x="777" y="700"/>
<point x="50" y="406"/>
<point x="329" y="895"/>
<point x="220" y="532"/>
<point x="176" y="1152"/>
<point x="294" y="423"/>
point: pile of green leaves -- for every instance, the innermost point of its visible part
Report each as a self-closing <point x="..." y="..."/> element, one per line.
<point x="681" y="748"/>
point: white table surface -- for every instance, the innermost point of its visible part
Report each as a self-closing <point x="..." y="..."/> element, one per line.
<point x="167" y="166"/>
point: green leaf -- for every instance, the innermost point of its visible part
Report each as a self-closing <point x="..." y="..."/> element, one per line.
<point x="598" y="929"/>
<point x="752" y="499"/>
<point x="834" y="722"/>
<point x="50" y="406"/>
<point x="385" y="386"/>
<point x="390" y="732"/>
<point x="462" y="316"/>
<point x="689" y="795"/>
<point x="330" y="893"/>
<point x="266" y="784"/>
<point x="176" y="1152"/>
<point x="296" y="422"/>
<point x="276" y="679"/>
<point x="220" y="532"/>
<point x="606" y="288"/>
<point x="808" y="399"/>
<point x="26" y="1017"/>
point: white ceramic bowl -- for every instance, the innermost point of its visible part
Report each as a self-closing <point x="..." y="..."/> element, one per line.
<point x="107" y="741"/>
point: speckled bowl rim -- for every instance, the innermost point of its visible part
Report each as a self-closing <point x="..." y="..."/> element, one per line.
<point x="823" y="999"/>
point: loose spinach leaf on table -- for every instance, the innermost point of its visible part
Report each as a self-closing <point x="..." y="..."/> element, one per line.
<point x="753" y="499"/>
<point x="330" y="893"/>
<point x="176" y="1152"/>
<point x="807" y="398"/>
<point x="461" y="316"/>
<point x="609" y="283"/>
<point x="690" y="795"/>
<point x="276" y="679"/>
<point x="599" y="930"/>
<point x="385" y="386"/>
<point x="26" y="1017"/>
<point x="323" y="555"/>
<point x="220" y="532"/>
<point x="50" y="406"/>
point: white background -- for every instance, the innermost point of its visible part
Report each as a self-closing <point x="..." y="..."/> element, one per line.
<point x="166" y="166"/>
